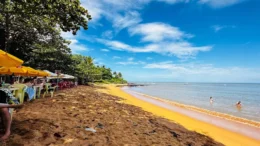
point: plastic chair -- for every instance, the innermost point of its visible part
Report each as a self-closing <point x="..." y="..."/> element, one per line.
<point x="49" y="89"/>
<point x="53" y="90"/>
<point x="6" y="85"/>
<point x="20" y="92"/>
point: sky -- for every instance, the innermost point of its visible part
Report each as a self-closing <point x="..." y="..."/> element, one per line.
<point x="173" y="40"/>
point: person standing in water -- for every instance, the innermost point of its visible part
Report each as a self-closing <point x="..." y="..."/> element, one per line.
<point x="239" y="104"/>
<point x="211" y="100"/>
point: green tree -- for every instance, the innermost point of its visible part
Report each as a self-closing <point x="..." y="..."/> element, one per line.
<point x="26" y="20"/>
<point x="120" y="75"/>
<point x="115" y="74"/>
<point x="52" y="54"/>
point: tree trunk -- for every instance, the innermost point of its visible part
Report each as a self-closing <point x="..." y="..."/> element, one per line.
<point x="7" y="22"/>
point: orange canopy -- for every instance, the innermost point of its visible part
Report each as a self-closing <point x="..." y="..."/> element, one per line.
<point x="22" y="71"/>
<point x="8" y="60"/>
<point x="12" y="70"/>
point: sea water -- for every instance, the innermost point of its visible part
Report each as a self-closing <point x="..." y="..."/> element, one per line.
<point x="225" y="96"/>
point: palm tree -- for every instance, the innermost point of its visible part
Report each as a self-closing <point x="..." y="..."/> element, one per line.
<point x="89" y="61"/>
<point x="115" y="74"/>
<point x="120" y="75"/>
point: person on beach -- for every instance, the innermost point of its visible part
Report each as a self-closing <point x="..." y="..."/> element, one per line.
<point x="7" y="100"/>
<point x="211" y="100"/>
<point x="238" y="104"/>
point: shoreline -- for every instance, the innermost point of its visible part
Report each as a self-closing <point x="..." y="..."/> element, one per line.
<point x="206" y="111"/>
<point x="220" y="134"/>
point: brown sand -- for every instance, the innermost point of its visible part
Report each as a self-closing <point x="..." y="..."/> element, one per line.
<point x="62" y="121"/>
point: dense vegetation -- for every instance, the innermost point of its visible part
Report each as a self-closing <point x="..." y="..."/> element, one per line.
<point x="32" y="33"/>
<point x="86" y="71"/>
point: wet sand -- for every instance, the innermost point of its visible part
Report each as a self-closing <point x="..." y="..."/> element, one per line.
<point x="63" y="120"/>
<point x="230" y="134"/>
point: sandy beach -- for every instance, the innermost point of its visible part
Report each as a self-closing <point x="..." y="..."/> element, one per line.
<point x="111" y="120"/>
<point x="222" y="135"/>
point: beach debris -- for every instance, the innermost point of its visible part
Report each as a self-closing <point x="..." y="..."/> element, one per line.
<point x="61" y="94"/>
<point x="68" y="140"/>
<point x="99" y="125"/>
<point x="57" y="135"/>
<point x="91" y="130"/>
<point x="174" y="134"/>
<point x="135" y="124"/>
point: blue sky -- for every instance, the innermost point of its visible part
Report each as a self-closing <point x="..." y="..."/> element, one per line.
<point x="174" y="40"/>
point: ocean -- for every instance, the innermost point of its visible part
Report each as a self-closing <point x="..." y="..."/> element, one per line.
<point x="225" y="96"/>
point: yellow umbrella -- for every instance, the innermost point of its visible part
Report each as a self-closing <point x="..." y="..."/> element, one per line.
<point x="9" y="60"/>
<point x="22" y="71"/>
<point x="31" y="71"/>
<point x="28" y="72"/>
<point x="12" y="70"/>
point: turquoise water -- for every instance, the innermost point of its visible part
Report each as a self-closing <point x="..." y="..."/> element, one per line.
<point x="225" y="96"/>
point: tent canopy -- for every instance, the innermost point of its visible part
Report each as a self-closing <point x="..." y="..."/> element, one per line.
<point x="51" y="74"/>
<point x="62" y="76"/>
<point x="8" y="60"/>
<point x="66" y="76"/>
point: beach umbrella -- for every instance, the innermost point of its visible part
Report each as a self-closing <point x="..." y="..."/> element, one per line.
<point x="22" y="71"/>
<point x="29" y="72"/>
<point x="9" y="60"/>
<point x="12" y="70"/>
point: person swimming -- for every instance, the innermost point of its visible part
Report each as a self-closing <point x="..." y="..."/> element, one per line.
<point x="211" y="100"/>
<point x="239" y="104"/>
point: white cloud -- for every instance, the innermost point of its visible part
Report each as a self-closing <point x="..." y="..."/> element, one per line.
<point x="107" y="34"/>
<point x="207" y="72"/>
<point x="67" y="35"/>
<point x="220" y="3"/>
<point x="217" y="28"/>
<point x="129" y="62"/>
<point x="76" y="47"/>
<point x="173" y="1"/>
<point x="122" y="13"/>
<point x="155" y="32"/>
<point x="94" y="8"/>
<point x="116" y="57"/>
<point x="149" y="58"/>
<point x="104" y="50"/>
<point x="179" y="49"/>
<point x="131" y="18"/>
<point x="130" y="59"/>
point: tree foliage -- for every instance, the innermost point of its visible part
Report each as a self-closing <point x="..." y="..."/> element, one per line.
<point x="87" y="71"/>
<point x="33" y="29"/>
<point x="30" y="24"/>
